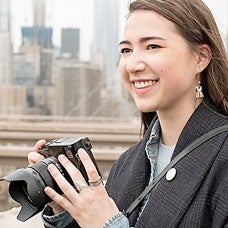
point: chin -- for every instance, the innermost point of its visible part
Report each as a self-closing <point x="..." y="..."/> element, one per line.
<point x="145" y="109"/>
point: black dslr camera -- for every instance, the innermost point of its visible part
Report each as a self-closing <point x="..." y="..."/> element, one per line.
<point x="27" y="185"/>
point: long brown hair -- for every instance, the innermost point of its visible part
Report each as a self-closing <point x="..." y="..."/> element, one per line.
<point x="194" y="22"/>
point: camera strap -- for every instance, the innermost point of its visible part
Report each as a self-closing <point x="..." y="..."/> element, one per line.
<point x="180" y="156"/>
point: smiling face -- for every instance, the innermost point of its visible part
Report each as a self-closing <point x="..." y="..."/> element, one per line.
<point x="157" y="65"/>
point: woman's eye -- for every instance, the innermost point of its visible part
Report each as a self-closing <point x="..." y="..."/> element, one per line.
<point x="125" y="50"/>
<point x="153" y="46"/>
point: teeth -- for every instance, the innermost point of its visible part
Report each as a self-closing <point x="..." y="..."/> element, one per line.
<point x="144" y="84"/>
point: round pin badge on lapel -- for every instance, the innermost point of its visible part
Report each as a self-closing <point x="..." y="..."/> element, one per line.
<point x="170" y="175"/>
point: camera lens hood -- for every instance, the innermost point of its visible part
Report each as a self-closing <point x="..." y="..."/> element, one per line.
<point x="28" y="191"/>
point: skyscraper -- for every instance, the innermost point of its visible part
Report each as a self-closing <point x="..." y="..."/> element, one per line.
<point x="5" y="43"/>
<point x="39" y="13"/>
<point x="105" y="43"/>
<point x="36" y="35"/>
<point x="41" y="36"/>
<point x="37" y="53"/>
<point x="77" y="88"/>
<point x="4" y="15"/>
<point x="24" y="74"/>
<point x="70" y="42"/>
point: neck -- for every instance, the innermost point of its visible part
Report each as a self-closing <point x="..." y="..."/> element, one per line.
<point x="173" y="122"/>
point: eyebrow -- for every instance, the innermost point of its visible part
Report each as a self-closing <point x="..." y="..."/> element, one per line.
<point x="143" y="39"/>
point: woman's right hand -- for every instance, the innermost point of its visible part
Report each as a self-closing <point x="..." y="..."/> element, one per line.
<point x="34" y="157"/>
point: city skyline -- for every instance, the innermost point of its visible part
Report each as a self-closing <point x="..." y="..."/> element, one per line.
<point x="45" y="70"/>
<point x="71" y="17"/>
<point x="80" y="14"/>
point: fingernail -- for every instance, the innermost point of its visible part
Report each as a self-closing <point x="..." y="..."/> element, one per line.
<point x="51" y="167"/>
<point x="82" y="153"/>
<point x="61" y="156"/>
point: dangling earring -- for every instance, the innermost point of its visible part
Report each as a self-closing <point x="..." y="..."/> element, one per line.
<point x="199" y="91"/>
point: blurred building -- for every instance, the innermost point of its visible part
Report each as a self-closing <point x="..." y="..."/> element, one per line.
<point x="12" y="100"/>
<point x="104" y="47"/>
<point x="33" y="65"/>
<point x="39" y="37"/>
<point x="36" y="35"/>
<point x="6" y="55"/>
<point x="4" y="15"/>
<point x="6" y="49"/>
<point x="24" y="74"/>
<point x="78" y="88"/>
<point x="46" y="60"/>
<point x="44" y="99"/>
<point x="12" y="97"/>
<point x="70" y="42"/>
<point x="39" y="10"/>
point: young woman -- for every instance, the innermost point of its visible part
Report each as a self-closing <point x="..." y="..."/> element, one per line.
<point x="174" y="65"/>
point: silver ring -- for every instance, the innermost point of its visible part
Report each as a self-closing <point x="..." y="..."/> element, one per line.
<point x="79" y="185"/>
<point x="96" y="183"/>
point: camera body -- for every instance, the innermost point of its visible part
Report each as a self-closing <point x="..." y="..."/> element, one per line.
<point x="69" y="147"/>
<point x="27" y="185"/>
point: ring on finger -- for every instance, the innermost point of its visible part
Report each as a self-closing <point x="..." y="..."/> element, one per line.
<point x="96" y="183"/>
<point x="79" y="185"/>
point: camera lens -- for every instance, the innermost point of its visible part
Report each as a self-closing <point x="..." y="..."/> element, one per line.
<point x="27" y="187"/>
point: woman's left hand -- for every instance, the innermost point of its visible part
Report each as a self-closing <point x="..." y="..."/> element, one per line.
<point x="91" y="206"/>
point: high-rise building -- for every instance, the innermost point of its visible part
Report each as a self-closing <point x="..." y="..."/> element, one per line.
<point x="39" y="13"/>
<point x="105" y="53"/>
<point x="46" y="60"/>
<point x="5" y="58"/>
<point x="78" y="87"/>
<point x="70" y="42"/>
<point x="35" y="35"/>
<point x="105" y="43"/>
<point x="24" y="74"/>
<point x="33" y="65"/>
<point x="5" y="43"/>
<point x="12" y="99"/>
<point x="37" y="44"/>
<point x="4" y="15"/>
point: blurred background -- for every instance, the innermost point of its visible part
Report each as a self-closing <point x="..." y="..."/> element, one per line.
<point x="59" y="78"/>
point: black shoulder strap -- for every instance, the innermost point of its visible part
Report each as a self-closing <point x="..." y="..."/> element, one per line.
<point x="181" y="155"/>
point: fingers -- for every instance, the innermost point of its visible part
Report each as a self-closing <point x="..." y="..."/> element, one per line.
<point x="94" y="177"/>
<point x="39" y="144"/>
<point x="74" y="173"/>
<point x="60" y="200"/>
<point x="34" y="157"/>
<point x="57" y="209"/>
<point x="76" y="176"/>
<point x="71" y="196"/>
<point x="83" y="203"/>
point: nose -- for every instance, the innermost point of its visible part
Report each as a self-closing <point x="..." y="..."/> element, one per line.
<point x="135" y="63"/>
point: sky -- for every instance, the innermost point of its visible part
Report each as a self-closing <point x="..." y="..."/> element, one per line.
<point x="79" y="14"/>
